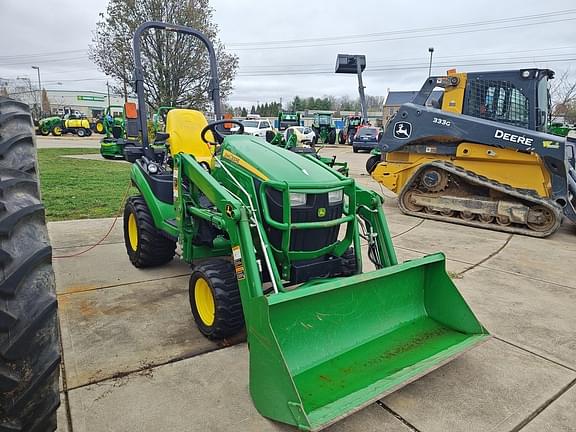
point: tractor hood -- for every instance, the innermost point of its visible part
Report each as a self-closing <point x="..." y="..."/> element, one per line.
<point x="269" y="162"/>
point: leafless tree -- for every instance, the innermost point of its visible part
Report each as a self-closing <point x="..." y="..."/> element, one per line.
<point x="176" y="69"/>
<point x="563" y="95"/>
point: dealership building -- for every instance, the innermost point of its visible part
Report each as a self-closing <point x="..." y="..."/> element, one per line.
<point x="90" y="103"/>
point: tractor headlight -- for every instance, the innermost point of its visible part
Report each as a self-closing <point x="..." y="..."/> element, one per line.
<point x="152" y="168"/>
<point x="336" y="196"/>
<point x="297" y="199"/>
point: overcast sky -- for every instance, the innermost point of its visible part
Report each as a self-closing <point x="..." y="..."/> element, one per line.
<point x="289" y="48"/>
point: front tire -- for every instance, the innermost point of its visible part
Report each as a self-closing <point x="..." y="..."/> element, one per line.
<point x="371" y="163"/>
<point x="215" y="299"/>
<point x="145" y="244"/>
<point x="57" y="131"/>
<point x="29" y="340"/>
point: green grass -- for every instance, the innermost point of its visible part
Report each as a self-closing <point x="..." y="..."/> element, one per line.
<point x="81" y="189"/>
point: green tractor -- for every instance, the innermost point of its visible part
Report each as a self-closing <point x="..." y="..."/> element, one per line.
<point x="112" y="122"/>
<point x="291" y="142"/>
<point x="287" y="119"/>
<point x="324" y="128"/>
<point x="118" y="136"/>
<point x="274" y="241"/>
<point x="558" y="128"/>
<point x="47" y="125"/>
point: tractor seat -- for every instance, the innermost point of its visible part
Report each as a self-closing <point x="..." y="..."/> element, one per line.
<point x="183" y="127"/>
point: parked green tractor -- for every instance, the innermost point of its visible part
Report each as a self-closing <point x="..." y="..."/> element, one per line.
<point x="112" y="119"/>
<point x="560" y="129"/>
<point x="287" y="119"/>
<point x="117" y="138"/>
<point x="324" y="128"/>
<point x="292" y="143"/>
<point x="275" y="244"/>
<point x="47" y="125"/>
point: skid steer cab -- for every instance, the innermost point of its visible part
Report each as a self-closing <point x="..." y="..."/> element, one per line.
<point x="275" y="242"/>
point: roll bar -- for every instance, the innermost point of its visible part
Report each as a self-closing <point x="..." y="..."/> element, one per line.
<point x="214" y="88"/>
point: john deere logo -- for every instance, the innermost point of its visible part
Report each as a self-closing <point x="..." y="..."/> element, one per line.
<point x="402" y="130"/>
<point x="321" y="212"/>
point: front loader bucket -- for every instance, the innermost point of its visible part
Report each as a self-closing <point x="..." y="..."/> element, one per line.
<point x="325" y="350"/>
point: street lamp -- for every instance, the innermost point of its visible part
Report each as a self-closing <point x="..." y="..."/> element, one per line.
<point x="431" y="51"/>
<point x="39" y="89"/>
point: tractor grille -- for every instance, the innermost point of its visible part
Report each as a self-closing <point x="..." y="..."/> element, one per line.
<point x="308" y="239"/>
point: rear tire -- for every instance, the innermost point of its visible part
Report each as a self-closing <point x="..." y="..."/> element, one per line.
<point x="215" y="299"/>
<point x="371" y="163"/>
<point x="341" y="138"/>
<point x="29" y="340"/>
<point x="145" y="244"/>
<point x="332" y="137"/>
<point x="81" y="132"/>
<point x="355" y="149"/>
<point x="57" y="131"/>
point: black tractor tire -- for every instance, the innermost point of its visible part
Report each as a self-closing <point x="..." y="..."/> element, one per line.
<point x="228" y="317"/>
<point x="152" y="248"/>
<point x="81" y="132"/>
<point x="270" y="135"/>
<point x="109" y="157"/>
<point x="332" y="136"/>
<point x="44" y="131"/>
<point x="88" y="132"/>
<point x="57" y="131"/>
<point x="29" y="337"/>
<point x="349" y="266"/>
<point x="371" y="163"/>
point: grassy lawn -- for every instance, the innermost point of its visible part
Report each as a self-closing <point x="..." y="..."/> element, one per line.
<point x="80" y="189"/>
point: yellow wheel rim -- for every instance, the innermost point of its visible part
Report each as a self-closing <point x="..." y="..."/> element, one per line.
<point x="99" y="127"/>
<point x="57" y="130"/>
<point x="204" y="301"/>
<point x="133" y="232"/>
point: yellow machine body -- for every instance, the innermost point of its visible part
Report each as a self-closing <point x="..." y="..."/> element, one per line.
<point x="521" y="170"/>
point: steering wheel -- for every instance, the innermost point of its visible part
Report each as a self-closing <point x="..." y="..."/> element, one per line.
<point x="219" y="137"/>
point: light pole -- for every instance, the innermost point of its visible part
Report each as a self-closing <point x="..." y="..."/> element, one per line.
<point x="431" y="51"/>
<point x="39" y="90"/>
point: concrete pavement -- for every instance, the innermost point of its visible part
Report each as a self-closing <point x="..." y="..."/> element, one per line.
<point x="68" y="141"/>
<point x="134" y="361"/>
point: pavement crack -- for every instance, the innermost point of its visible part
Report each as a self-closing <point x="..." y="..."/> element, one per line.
<point x="120" y="285"/>
<point x="409" y="229"/>
<point x="557" y="363"/>
<point x="64" y="381"/>
<point x="545" y="405"/>
<point x="398" y="416"/>
<point x="483" y="260"/>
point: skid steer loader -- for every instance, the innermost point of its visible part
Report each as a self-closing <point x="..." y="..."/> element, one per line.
<point x="275" y="244"/>
<point x="483" y="157"/>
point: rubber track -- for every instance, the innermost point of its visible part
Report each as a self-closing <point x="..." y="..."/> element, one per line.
<point x="229" y="317"/>
<point x="154" y="248"/>
<point x="29" y="347"/>
<point x="469" y="176"/>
